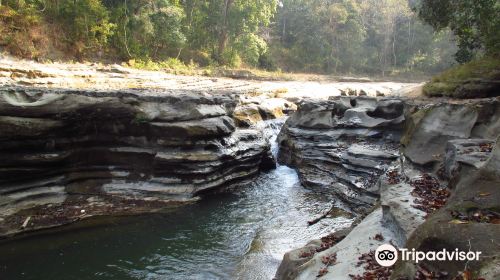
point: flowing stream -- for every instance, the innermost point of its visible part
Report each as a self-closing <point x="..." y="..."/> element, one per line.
<point x="242" y="235"/>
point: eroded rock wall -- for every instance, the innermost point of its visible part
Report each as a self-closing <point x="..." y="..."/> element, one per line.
<point x="442" y="194"/>
<point x="65" y="155"/>
<point x="343" y="145"/>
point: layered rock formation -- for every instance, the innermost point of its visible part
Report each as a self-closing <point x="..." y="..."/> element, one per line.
<point x="442" y="194"/>
<point x="68" y="154"/>
<point x="343" y="146"/>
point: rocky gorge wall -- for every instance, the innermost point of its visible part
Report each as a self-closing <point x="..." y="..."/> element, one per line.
<point x="66" y="155"/>
<point x="441" y="193"/>
<point x="81" y="140"/>
<point x="346" y="143"/>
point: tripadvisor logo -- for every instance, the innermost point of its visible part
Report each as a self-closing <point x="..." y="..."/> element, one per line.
<point x="387" y="255"/>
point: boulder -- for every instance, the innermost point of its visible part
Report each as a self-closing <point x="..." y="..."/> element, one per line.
<point x="492" y="166"/>
<point x="477" y="88"/>
<point x="273" y="108"/>
<point x="434" y="127"/>
<point x="253" y="108"/>
<point x="247" y="115"/>
<point x="429" y="128"/>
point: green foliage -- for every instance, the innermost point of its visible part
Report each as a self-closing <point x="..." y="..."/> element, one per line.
<point x="18" y="22"/>
<point x="486" y="68"/>
<point x="476" y="23"/>
<point x="232" y="23"/>
<point x="168" y="64"/>
<point x="88" y="23"/>
<point x="231" y="58"/>
<point x="167" y="25"/>
<point x="149" y="29"/>
<point x="251" y="47"/>
<point x="324" y="36"/>
<point x="368" y="36"/>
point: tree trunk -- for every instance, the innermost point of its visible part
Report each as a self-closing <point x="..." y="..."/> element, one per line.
<point x="409" y="35"/>
<point x="223" y="36"/>
<point x="284" y="30"/>
<point x="222" y="44"/>
<point x="179" y="53"/>
<point x="394" y="48"/>
<point x="125" y="29"/>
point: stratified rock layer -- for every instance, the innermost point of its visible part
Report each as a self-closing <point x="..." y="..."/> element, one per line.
<point x="458" y="143"/>
<point x="65" y="155"/>
<point x="343" y="145"/>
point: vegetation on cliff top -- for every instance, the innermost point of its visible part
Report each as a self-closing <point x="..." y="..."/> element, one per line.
<point x="485" y="71"/>
<point x="374" y="37"/>
<point x="476" y="25"/>
<point x="369" y="37"/>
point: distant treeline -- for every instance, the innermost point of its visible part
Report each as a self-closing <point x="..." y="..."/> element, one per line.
<point x="323" y="36"/>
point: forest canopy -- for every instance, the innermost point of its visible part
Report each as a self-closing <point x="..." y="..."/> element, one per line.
<point x="476" y="24"/>
<point x="321" y="36"/>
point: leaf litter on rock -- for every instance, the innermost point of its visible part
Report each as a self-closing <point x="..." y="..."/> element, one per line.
<point x="486" y="147"/>
<point x="372" y="269"/>
<point x="424" y="273"/>
<point x="393" y="177"/>
<point x="327" y="260"/>
<point x="327" y="242"/>
<point x="430" y="195"/>
<point x="379" y="237"/>
<point x="466" y="275"/>
<point x="477" y="216"/>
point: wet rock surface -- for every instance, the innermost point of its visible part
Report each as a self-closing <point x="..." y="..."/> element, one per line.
<point x="68" y="154"/>
<point x="343" y="146"/>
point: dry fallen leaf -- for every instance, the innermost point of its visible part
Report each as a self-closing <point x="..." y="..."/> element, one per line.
<point x="457" y="222"/>
<point x="322" y="272"/>
<point x="483" y="194"/>
<point x="467" y="275"/>
<point x="495" y="221"/>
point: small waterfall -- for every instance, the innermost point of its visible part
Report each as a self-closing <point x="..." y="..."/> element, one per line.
<point x="238" y="236"/>
<point x="271" y="129"/>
